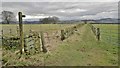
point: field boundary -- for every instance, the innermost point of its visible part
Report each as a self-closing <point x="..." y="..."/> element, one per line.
<point x="96" y="31"/>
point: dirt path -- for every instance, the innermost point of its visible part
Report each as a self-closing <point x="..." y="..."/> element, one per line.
<point x="52" y="39"/>
<point x="66" y="49"/>
<point x="81" y="49"/>
<point x="80" y="32"/>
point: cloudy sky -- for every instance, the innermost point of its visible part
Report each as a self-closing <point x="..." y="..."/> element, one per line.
<point x="64" y="10"/>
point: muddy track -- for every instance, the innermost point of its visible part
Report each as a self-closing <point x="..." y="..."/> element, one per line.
<point x="52" y="39"/>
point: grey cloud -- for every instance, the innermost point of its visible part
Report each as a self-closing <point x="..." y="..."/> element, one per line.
<point x="60" y="0"/>
<point x="51" y="8"/>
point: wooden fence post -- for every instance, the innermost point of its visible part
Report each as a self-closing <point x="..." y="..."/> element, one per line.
<point x="25" y="46"/>
<point x="40" y="42"/>
<point x="21" y="31"/>
<point x="98" y="34"/>
<point x="43" y="42"/>
<point x="62" y="35"/>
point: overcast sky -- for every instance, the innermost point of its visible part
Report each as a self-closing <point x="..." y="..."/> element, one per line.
<point x="64" y="10"/>
<point x="60" y="0"/>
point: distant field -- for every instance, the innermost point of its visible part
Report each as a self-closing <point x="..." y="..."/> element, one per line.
<point x="35" y="27"/>
<point x="80" y="49"/>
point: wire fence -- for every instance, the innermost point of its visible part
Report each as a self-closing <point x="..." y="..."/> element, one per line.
<point x="109" y="33"/>
<point x="34" y="41"/>
<point x="110" y="36"/>
<point x="96" y="31"/>
<point x="69" y="31"/>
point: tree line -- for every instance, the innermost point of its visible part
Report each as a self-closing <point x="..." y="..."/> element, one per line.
<point x="9" y="17"/>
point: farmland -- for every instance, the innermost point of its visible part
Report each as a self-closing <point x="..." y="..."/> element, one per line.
<point x="110" y="33"/>
<point x="79" y="49"/>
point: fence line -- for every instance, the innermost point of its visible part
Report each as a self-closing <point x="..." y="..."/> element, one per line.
<point x="69" y="31"/>
<point x="96" y="31"/>
<point x="109" y="35"/>
<point x="34" y="41"/>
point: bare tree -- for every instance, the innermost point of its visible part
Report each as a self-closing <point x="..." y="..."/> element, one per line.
<point x="7" y="17"/>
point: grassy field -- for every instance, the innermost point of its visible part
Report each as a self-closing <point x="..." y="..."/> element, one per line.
<point x="35" y="27"/>
<point x="80" y="49"/>
<point x="109" y="33"/>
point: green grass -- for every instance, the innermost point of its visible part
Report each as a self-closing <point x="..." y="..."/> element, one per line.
<point x="84" y="50"/>
<point x="80" y="49"/>
<point x="109" y="33"/>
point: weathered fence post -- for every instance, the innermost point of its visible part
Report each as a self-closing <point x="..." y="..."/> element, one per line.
<point x="43" y="42"/>
<point x="40" y="42"/>
<point x="98" y="34"/>
<point x="62" y="35"/>
<point x="21" y="31"/>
